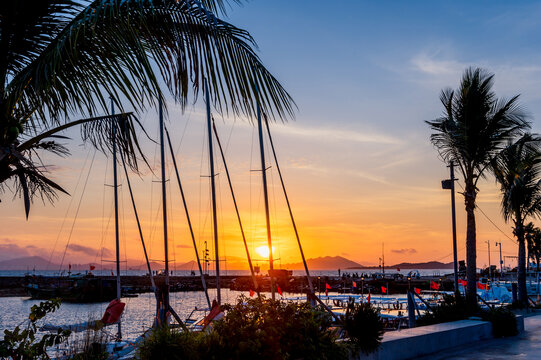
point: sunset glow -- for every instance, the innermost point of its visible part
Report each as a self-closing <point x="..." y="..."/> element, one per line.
<point x="263" y="251"/>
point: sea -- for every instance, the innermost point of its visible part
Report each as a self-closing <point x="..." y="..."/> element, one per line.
<point x="140" y="311"/>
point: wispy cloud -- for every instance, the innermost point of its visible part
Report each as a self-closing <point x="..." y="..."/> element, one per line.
<point x="404" y="251"/>
<point x="182" y="246"/>
<point x="89" y="250"/>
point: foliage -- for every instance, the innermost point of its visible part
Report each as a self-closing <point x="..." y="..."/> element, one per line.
<point x="363" y="326"/>
<point x="533" y="240"/>
<point x="165" y="343"/>
<point x="453" y="308"/>
<point x="517" y="169"/>
<point x="91" y="347"/>
<point x="60" y="58"/>
<point x="473" y="129"/>
<point x="253" y="328"/>
<point x="504" y="321"/>
<point x="22" y="344"/>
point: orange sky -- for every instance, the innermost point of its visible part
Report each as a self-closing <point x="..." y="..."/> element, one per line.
<point x="350" y="191"/>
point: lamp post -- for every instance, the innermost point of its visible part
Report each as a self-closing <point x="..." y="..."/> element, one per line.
<point x="409" y="282"/>
<point x="362" y="287"/>
<point x="501" y="261"/>
<point x="450" y="184"/>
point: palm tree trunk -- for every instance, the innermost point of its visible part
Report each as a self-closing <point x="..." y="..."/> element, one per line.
<point x="471" y="241"/>
<point x="522" y="292"/>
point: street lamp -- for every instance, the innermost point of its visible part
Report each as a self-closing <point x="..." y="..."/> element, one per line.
<point x="409" y="282"/>
<point x="450" y="184"/>
<point x="362" y="287"/>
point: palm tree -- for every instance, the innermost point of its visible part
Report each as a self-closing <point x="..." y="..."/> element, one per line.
<point x="517" y="170"/>
<point x="473" y="129"/>
<point x="63" y="58"/>
<point x="533" y="242"/>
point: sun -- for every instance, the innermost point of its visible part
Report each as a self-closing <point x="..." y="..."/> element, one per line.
<point x="263" y="251"/>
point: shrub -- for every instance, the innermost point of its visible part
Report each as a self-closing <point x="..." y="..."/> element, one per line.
<point x="363" y="326"/>
<point x="266" y="329"/>
<point x="253" y="329"/>
<point x="167" y="343"/>
<point x="21" y="344"/>
<point x="452" y="308"/>
<point x="504" y="321"/>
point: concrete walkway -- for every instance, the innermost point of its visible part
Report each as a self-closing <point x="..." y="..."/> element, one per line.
<point x="524" y="346"/>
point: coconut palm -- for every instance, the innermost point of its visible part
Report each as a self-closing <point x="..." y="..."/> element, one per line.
<point x="63" y="59"/>
<point x="473" y="129"/>
<point x="517" y="170"/>
<point x="533" y="242"/>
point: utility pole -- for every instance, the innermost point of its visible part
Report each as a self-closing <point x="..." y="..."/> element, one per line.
<point x="450" y="184"/>
<point x="501" y="261"/>
<point x="489" y="267"/>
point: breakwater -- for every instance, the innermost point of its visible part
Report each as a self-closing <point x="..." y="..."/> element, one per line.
<point x="14" y="285"/>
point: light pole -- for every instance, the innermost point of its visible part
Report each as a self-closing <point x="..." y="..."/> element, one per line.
<point x="489" y="267"/>
<point x="501" y="261"/>
<point x="450" y="184"/>
<point x="362" y="287"/>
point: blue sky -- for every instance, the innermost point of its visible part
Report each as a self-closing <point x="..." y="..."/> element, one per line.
<point x="357" y="159"/>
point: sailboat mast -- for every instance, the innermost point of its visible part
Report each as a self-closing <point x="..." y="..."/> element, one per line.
<point x="213" y="195"/>
<point x="256" y="287"/>
<point x="266" y="196"/>
<point x="166" y="305"/>
<point x="115" y="187"/>
<point x="309" y="279"/>
<point x="203" y="282"/>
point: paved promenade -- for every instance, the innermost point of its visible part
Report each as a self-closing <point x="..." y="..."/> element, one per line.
<point x="524" y="346"/>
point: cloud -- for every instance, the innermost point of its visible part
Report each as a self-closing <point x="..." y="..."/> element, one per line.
<point x="183" y="246"/>
<point x="404" y="251"/>
<point x="88" y="250"/>
<point x="9" y="250"/>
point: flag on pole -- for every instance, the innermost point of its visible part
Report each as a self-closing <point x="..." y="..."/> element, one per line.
<point x="252" y="293"/>
<point x="279" y="290"/>
<point x="92" y="267"/>
<point x="417" y="291"/>
<point x="481" y="286"/>
<point x="462" y="282"/>
<point x="368" y="297"/>
<point x="434" y="285"/>
<point x="327" y="286"/>
<point x="354" y="284"/>
<point x="397" y="269"/>
<point x="383" y="290"/>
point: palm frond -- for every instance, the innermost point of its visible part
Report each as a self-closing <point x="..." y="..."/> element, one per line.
<point x="112" y="46"/>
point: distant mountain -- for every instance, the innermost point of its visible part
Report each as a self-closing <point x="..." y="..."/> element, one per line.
<point x="408" y="265"/>
<point x="24" y="263"/>
<point x="324" y="263"/>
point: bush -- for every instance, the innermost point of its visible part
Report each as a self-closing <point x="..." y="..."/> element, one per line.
<point x="363" y="326"/>
<point x="453" y="308"/>
<point x="21" y="344"/>
<point x="504" y="321"/>
<point x="266" y="329"/>
<point x="253" y="329"/>
<point x="166" y="343"/>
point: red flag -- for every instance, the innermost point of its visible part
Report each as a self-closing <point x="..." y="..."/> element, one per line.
<point x="69" y="266"/>
<point x="384" y="290"/>
<point x="462" y="282"/>
<point x="327" y="286"/>
<point x="397" y="269"/>
<point x="354" y="284"/>
<point x="112" y="274"/>
<point x="279" y="290"/>
<point x="368" y="297"/>
<point x="481" y="286"/>
<point x="418" y="291"/>
<point x="434" y="286"/>
<point x="252" y="293"/>
<point x="92" y="267"/>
